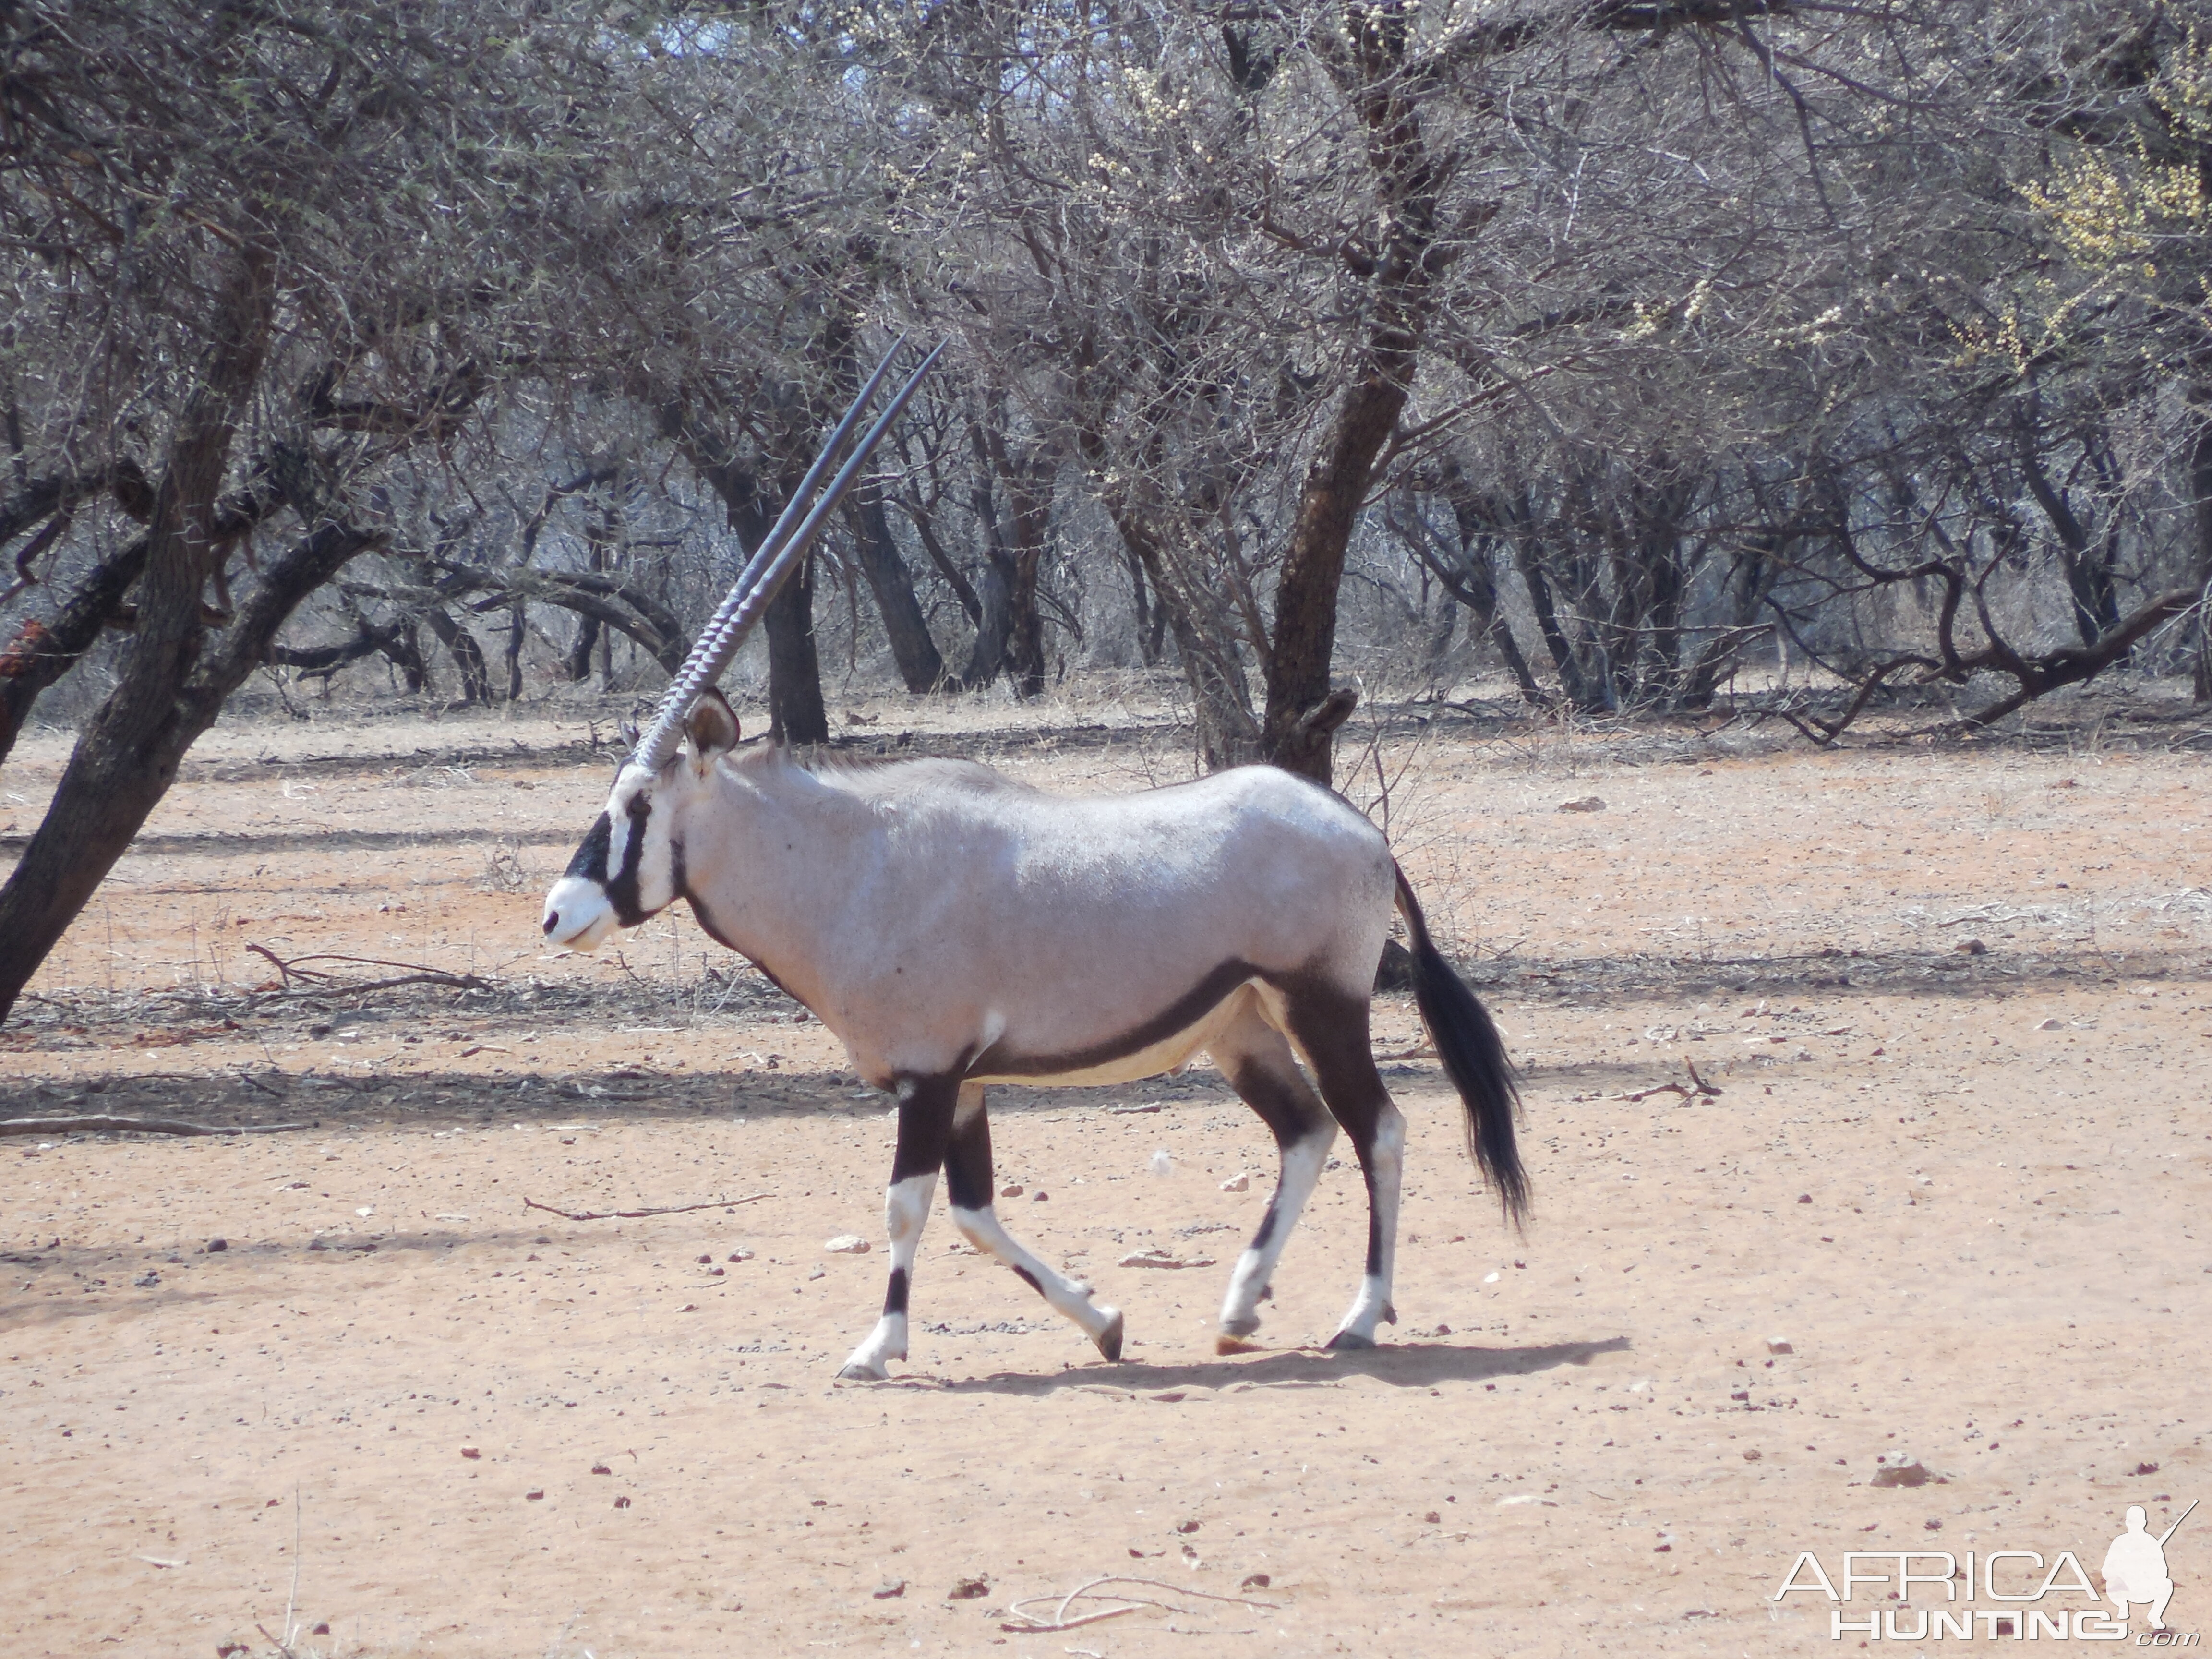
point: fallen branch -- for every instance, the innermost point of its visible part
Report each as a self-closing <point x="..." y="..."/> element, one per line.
<point x="1419" y="1051"/>
<point x="1034" y="1628"/>
<point x="638" y="1215"/>
<point x="104" y="1124"/>
<point x="1058" y="1619"/>
<point x="1685" y="1090"/>
<point x="329" y="984"/>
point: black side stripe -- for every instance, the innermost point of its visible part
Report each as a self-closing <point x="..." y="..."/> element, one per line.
<point x="1185" y="1012"/>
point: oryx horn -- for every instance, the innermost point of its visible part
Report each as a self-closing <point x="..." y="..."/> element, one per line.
<point x="772" y="563"/>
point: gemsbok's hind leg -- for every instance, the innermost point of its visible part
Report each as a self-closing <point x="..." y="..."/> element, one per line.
<point x="1260" y="1067"/>
<point x="924" y="1122"/>
<point x="967" y="1179"/>
<point x="1330" y="1028"/>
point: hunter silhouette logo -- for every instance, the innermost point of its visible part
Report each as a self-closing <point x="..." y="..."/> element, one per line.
<point x="2135" y="1567"/>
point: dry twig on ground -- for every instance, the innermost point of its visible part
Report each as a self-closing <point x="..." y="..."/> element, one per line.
<point x="636" y="1215"/>
<point x="1690" y="1090"/>
<point x="1032" y="1624"/>
<point x="322" y="984"/>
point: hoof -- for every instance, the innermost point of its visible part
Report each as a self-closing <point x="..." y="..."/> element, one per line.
<point x="1228" y="1342"/>
<point x="1110" y="1339"/>
<point x="1390" y="1314"/>
<point x="856" y="1370"/>
<point x="1266" y="1293"/>
<point x="1344" y="1341"/>
<point x="1244" y="1327"/>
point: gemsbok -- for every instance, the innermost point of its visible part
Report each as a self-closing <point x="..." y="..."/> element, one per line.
<point x="956" y="929"/>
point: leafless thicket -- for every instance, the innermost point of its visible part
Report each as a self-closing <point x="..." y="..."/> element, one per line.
<point x="1623" y="345"/>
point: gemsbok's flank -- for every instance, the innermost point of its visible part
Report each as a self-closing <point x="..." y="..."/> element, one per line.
<point x="958" y="929"/>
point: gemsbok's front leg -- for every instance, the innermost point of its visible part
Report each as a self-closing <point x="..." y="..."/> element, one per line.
<point x="968" y="1178"/>
<point x="925" y="1121"/>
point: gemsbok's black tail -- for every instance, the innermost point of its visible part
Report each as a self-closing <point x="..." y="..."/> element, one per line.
<point x="1474" y="1057"/>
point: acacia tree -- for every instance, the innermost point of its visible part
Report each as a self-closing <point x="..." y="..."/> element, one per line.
<point x="1223" y="251"/>
<point x="265" y="253"/>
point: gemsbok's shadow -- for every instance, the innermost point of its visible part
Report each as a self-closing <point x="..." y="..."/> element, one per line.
<point x="1409" y="1366"/>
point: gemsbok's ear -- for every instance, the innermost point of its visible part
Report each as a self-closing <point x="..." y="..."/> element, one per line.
<point x="712" y="729"/>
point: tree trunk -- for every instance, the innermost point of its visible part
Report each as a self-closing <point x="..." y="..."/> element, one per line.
<point x="127" y="757"/>
<point x="468" y="656"/>
<point x="2088" y="567"/>
<point x="576" y="662"/>
<point x="795" y="711"/>
<point x="518" y="624"/>
<point x="1029" y="502"/>
<point x="1475" y="585"/>
<point x="2200" y="485"/>
<point x="1300" y="709"/>
<point x="404" y="650"/>
<point x="919" y="665"/>
<point x="587" y="631"/>
<point x="1015" y="545"/>
<point x="987" y="652"/>
<point x="1221" y="699"/>
<point x="130" y="750"/>
<point x="1151" y="625"/>
<point x="795" y="670"/>
<point x="1574" y="684"/>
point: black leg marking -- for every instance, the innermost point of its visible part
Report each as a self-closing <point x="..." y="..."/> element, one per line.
<point x="1331" y="1025"/>
<point x="967" y="1170"/>
<point x="1288" y="1113"/>
<point x="1331" y="1028"/>
<point x="1374" y="1220"/>
<point x="895" y="1298"/>
<point x="1265" y="1229"/>
<point x="1030" y="1279"/>
<point x="924" y="1125"/>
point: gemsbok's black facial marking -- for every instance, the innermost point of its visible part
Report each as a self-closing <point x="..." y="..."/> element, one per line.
<point x="590" y="860"/>
<point x="622" y="888"/>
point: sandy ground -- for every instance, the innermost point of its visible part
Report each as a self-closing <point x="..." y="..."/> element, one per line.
<point x="1954" y="1002"/>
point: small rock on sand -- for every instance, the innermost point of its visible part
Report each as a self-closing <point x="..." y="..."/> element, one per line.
<point x="847" y="1244"/>
<point x="1909" y="1473"/>
<point x="1238" y="1182"/>
<point x="1780" y="1345"/>
<point x="1162" y="1259"/>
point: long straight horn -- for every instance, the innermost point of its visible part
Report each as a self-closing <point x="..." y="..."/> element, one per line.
<point x="772" y="563"/>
